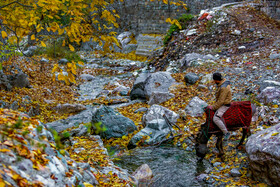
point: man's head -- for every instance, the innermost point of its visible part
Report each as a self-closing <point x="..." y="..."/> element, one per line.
<point x="217" y="77"/>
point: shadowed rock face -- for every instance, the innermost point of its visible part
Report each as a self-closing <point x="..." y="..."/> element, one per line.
<point x="264" y="155"/>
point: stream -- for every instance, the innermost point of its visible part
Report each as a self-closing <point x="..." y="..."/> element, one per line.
<point x="171" y="166"/>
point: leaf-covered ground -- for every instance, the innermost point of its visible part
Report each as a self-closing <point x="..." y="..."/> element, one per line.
<point x="46" y="94"/>
<point x="43" y="88"/>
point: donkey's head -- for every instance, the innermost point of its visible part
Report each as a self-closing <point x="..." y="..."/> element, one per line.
<point x="201" y="143"/>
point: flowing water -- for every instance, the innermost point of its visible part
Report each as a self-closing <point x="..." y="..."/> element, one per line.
<point x="170" y="166"/>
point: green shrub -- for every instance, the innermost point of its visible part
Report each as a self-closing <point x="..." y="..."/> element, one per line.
<point x="183" y="20"/>
<point x="58" y="51"/>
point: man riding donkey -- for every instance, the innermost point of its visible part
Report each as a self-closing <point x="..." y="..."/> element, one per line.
<point x="227" y="115"/>
<point x="222" y="104"/>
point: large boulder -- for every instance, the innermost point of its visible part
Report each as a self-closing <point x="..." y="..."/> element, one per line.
<point x="149" y="83"/>
<point x="264" y="155"/>
<point x="268" y="94"/>
<point x="114" y="124"/>
<point x="156" y="128"/>
<point x="195" y="107"/>
<point x="19" y="80"/>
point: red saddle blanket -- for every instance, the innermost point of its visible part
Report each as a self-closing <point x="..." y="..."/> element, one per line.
<point x="238" y="115"/>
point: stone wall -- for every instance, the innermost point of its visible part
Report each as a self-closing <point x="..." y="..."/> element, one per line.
<point x="144" y="16"/>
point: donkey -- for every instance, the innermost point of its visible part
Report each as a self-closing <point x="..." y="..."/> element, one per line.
<point x="239" y="115"/>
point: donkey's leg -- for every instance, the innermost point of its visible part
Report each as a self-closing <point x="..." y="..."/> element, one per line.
<point x="219" y="145"/>
<point x="244" y="133"/>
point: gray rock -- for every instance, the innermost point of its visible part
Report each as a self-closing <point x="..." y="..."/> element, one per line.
<point x="205" y="79"/>
<point x="69" y="108"/>
<point x="191" y="78"/>
<point x="268" y="95"/>
<point x="30" y="51"/>
<point x="191" y="32"/>
<point x="159" y="81"/>
<point x="121" y="173"/>
<point x="4" y="82"/>
<point x="156" y="127"/>
<point x="235" y="172"/>
<point x="124" y="38"/>
<point x="156" y="112"/>
<point x="83" y="165"/>
<point x="115" y="124"/>
<point x="160" y="97"/>
<point x="194" y="59"/>
<point x="80" y="131"/>
<point x="120" y="89"/>
<point x="43" y="60"/>
<point x="155" y="135"/>
<point x="63" y="61"/>
<point x="202" y="177"/>
<point x="19" y="80"/>
<point x="3" y="104"/>
<point x="88" y="177"/>
<point x="269" y="83"/>
<point x="143" y="109"/>
<point x="274" y="56"/>
<point x="47" y="182"/>
<point x="8" y="159"/>
<point x="216" y="164"/>
<point x="263" y="150"/>
<point x="83" y="117"/>
<point x="195" y="107"/>
<point x="137" y="91"/>
<point x="25" y="165"/>
<point x="90" y="46"/>
<point x="143" y="175"/>
<point x="87" y="77"/>
<point x="14" y="105"/>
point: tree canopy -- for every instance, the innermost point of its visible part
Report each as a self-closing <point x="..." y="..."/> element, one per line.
<point x="74" y="20"/>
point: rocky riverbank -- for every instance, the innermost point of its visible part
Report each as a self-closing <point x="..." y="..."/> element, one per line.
<point x="130" y="98"/>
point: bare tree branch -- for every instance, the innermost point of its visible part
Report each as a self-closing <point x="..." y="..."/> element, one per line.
<point x="16" y="3"/>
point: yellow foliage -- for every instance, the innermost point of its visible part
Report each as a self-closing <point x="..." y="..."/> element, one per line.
<point x="4" y="34"/>
<point x="71" y="47"/>
<point x="43" y="44"/>
<point x="274" y="134"/>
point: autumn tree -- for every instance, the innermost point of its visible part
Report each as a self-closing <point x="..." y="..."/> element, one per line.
<point x="73" y="21"/>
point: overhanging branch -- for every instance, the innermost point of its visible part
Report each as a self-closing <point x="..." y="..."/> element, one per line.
<point x="15" y="2"/>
